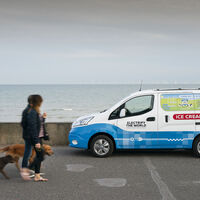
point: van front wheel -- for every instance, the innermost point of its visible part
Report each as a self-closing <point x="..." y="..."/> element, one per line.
<point x="196" y="147"/>
<point x="102" y="146"/>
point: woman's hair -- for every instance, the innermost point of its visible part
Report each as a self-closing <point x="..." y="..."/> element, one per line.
<point x="30" y="99"/>
<point x="36" y="102"/>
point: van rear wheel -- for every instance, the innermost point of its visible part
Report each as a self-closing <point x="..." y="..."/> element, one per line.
<point x="101" y="146"/>
<point x="196" y="147"/>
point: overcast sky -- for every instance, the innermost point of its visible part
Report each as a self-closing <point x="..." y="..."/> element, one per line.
<point x="99" y="41"/>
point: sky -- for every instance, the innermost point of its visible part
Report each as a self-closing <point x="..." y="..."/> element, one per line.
<point x="99" y="41"/>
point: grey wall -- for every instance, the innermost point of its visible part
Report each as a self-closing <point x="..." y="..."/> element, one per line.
<point x="11" y="133"/>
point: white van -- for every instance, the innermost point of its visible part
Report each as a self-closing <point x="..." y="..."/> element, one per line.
<point x="151" y="119"/>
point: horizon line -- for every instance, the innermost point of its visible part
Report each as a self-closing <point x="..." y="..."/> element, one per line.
<point x="148" y="83"/>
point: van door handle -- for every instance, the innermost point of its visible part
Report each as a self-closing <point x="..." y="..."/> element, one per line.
<point x="166" y="118"/>
<point x="197" y="123"/>
<point x="151" y="119"/>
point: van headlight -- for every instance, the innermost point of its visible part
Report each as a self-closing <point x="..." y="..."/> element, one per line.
<point x="82" y="122"/>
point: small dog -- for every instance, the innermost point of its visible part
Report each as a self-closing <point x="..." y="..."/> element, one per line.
<point x="3" y="162"/>
<point x="17" y="151"/>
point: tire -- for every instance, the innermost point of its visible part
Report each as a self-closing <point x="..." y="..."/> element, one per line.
<point x="102" y="146"/>
<point x="196" y="147"/>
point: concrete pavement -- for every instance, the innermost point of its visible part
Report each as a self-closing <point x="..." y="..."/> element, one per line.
<point x="74" y="174"/>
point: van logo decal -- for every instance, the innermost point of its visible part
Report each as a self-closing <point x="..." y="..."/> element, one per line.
<point x="136" y="124"/>
<point x="193" y="116"/>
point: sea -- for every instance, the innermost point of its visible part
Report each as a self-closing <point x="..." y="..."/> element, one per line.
<point x="65" y="103"/>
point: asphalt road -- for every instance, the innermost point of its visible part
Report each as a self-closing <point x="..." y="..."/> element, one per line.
<point x="74" y="174"/>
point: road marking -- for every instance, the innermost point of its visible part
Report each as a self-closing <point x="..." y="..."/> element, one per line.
<point x="185" y="183"/>
<point x="78" y="167"/>
<point x="196" y="182"/>
<point x="111" y="182"/>
<point x="163" y="188"/>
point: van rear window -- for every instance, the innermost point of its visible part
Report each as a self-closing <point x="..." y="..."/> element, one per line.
<point x="180" y="102"/>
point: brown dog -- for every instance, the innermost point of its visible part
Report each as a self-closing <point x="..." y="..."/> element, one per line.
<point x="17" y="151"/>
<point x="3" y="162"/>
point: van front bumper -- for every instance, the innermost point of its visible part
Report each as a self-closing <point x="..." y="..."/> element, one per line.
<point x="78" y="138"/>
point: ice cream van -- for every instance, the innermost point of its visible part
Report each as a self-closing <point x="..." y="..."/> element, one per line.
<point x="150" y="119"/>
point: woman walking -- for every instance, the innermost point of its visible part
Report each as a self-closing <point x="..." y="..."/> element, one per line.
<point x="27" y="141"/>
<point x="36" y="131"/>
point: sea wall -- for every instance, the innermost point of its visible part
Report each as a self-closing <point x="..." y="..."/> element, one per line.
<point x="11" y="133"/>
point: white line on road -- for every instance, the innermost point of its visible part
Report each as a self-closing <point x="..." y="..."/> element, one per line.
<point x="185" y="183"/>
<point x="196" y="182"/>
<point x="163" y="188"/>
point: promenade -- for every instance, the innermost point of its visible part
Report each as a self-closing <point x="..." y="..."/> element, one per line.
<point x="74" y="174"/>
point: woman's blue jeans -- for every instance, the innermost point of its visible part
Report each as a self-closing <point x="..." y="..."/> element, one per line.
<point x="27" y="153"/>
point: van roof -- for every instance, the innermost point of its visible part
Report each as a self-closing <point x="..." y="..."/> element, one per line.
<point x="174" y="90"/>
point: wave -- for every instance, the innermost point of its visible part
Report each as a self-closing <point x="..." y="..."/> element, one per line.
<point x="67" y="109"/>
<point x="61" y="109"/>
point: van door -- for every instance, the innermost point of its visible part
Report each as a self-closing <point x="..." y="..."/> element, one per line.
<point x="175" y="126"/>
<point x="138" y="128"/>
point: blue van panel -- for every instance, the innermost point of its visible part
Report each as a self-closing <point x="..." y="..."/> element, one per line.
<point x="84" y="133"/>
<point x="134" y="140"/>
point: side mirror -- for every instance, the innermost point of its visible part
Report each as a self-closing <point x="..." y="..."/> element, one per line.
<point x="122" y="112"/>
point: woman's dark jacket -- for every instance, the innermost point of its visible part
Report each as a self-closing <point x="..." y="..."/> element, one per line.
<point x="24" y="122"/>
<point x="33" y="126"/>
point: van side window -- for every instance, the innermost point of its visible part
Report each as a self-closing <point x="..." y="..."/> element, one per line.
<point x="179" y="102"/>
<point x="136" y="106"/>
